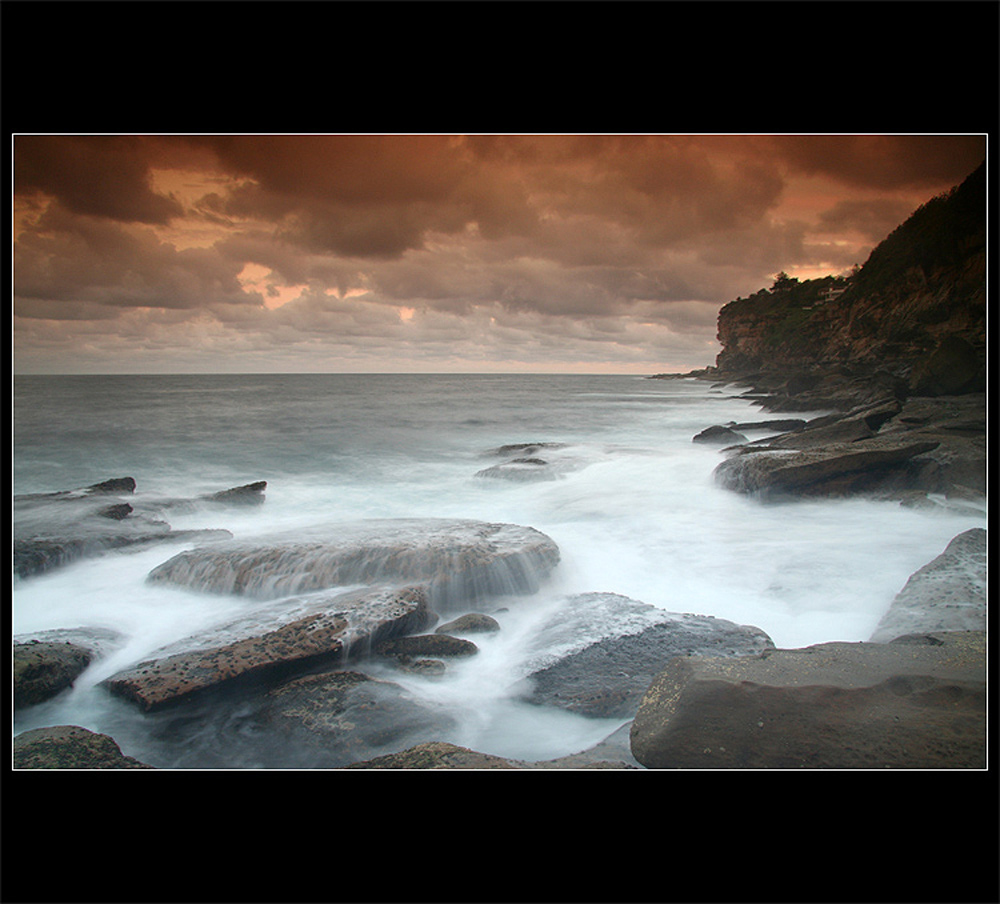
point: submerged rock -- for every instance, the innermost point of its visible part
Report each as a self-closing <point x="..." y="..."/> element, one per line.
<point x="334" y="719"/>
<point x="70" y="747"/>
<point x="947" y="594"/>
<point x="606" y="649"/>
<point x="916" y="703"/>
<point x="54" y="529"/>
<point x="460" y="560"/>
<point x="273" y="642"/>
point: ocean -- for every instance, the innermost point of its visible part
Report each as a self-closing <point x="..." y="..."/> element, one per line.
<point x="633" y="509"/>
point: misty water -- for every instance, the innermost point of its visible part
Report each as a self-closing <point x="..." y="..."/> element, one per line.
<point x="634" y="511"/>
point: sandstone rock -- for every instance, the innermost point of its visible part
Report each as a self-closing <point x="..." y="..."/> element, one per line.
<point x="471" y="623"/>
<point x="437" y="755"/>
<point x="916" y="703"/>
<point x="70" y="747"/>
<point x="333" y="719"/>
<point x="611" y="753"/>
<point x="48" y="662"/>
<point x="947" y="594"/>
<point x="461" y="561"/>
<point x="953" y="367"/>
<point x="54" y="529"/>
<point x="521" y="469"/>
<point x="524" y="450"/>
<point x="248" y="494"/>
<point x="833" y="470"/>
<point x="432" y="645"/>
<point x="719" y="434"/>
<point x="44" y="669"/>
<point x="782" y="425"/>
<point x="274" y="642"/>
<point x="625" y="643"/>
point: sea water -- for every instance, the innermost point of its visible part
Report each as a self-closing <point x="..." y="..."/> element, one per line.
<point x="633" y="508"/>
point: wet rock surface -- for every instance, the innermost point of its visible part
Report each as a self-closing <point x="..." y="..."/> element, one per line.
<point x="947" y="594"/>
<point x="44" y="669"/>
<point x="459" y="560"/>
<point x="51" y="530"/>
<point x="336" y="719"/>
<point x="886" y="448"/>
<point x="916" y="703"/>
<point x="47" y="663"/>
<point x="607" y="677"/>
<point x="70" y="747"/>
<point x="273" y="642"/>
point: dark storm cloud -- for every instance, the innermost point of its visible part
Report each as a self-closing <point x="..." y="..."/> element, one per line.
<point x="596" y="248"/>
<point x="874" y="219"/>
<point x="883" y="161"/>
<point x="69" y="260"/>
<point x="102" y="176"/>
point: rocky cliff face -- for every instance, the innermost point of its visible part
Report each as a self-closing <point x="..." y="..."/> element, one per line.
<point x="916" y="310"/>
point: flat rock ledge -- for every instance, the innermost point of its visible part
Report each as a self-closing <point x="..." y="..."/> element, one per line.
<point x="903" y="449"/>
<point x="274" y="643"/>
<point x="918" y="702"/>
<point x="70" y="747"/>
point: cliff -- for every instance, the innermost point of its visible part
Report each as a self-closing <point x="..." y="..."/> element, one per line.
<point x="913" y="318"/>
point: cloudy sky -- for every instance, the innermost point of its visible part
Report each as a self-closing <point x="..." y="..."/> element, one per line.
<point x="434" y="253"/>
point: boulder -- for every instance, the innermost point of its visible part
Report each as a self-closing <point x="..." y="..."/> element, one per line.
<point x="471" y="623"/>
<point x="429" y="645"/>
<point x="273" y="642"/>
<point x="461" y="561"/>
<point x="719" y="434"/>
<point x="44" y="669"/>
<point x="70" y="747"/>
<point x="521" y="469"/>
<point x="947" y="594"/>
<point x="46" y="663"/>
<point x="333" y="719"/>
<point x="437" y="755"/>
<point x="918" y="702"/>
<point x="607" y="648"/>
<point x="609" y="754"/>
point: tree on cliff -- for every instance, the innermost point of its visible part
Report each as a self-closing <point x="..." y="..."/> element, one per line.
<point x="783" y="282"/>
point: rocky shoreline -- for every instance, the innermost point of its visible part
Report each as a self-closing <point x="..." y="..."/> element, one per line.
<point x="692" y="692"/>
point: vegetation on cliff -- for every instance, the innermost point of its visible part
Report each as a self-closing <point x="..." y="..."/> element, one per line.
<point x="924" y="284"/>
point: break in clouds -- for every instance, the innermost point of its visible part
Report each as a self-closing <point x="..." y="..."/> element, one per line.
<point x="434" y="252"/>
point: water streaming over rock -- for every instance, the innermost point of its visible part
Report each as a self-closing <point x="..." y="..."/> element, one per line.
<point x="628" y="507"/>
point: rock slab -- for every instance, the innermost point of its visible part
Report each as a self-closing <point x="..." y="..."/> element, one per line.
<point x="629" y="643"/>
<point x="918" y="702"/>
<point x="272" y="644"/>
<point x="947" y="594"/>
<point x="460" y="560"/>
